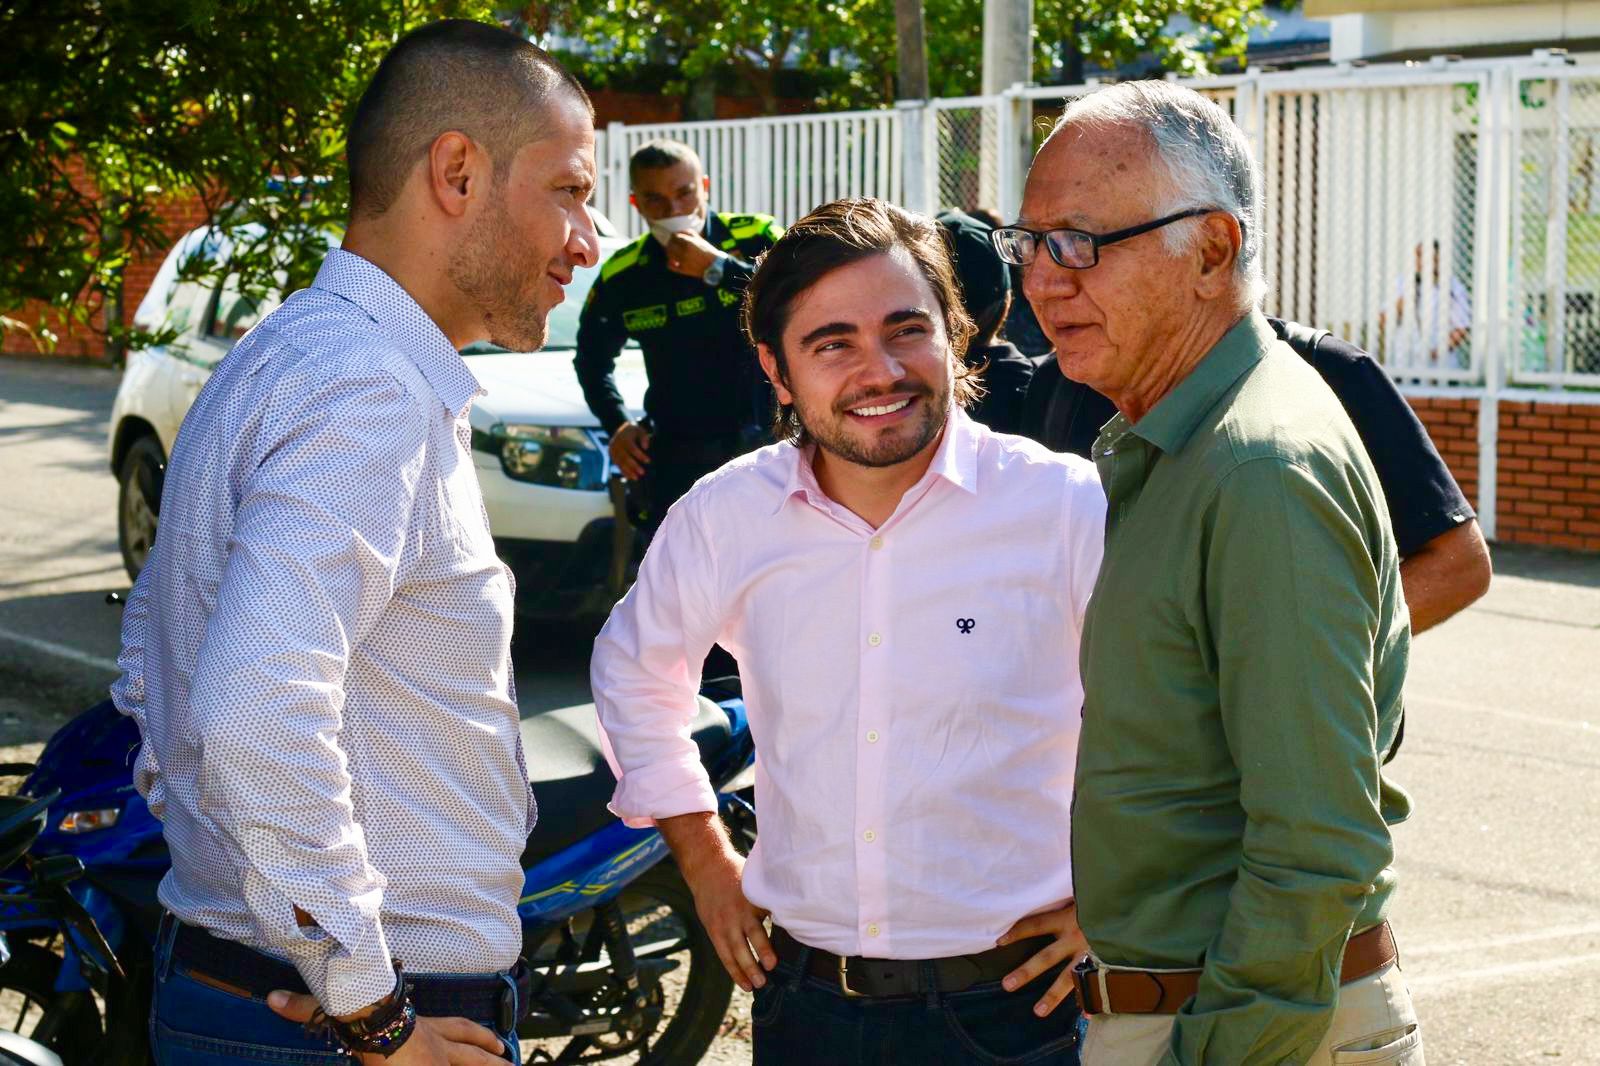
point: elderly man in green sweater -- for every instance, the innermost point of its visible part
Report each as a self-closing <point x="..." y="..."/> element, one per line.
<point x="1246" y="644"/>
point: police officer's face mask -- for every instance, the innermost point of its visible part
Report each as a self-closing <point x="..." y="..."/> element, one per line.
<point x="662" y="229"/>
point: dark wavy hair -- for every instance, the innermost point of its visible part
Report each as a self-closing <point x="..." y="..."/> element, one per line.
<point x="836" y="235"/>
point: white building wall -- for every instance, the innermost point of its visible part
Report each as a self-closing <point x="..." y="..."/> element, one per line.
<point x="1451" y="29"/>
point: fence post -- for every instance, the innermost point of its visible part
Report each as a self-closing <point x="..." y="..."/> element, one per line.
<point x="919" y="154"/>
<point x="1015" y="138"/>
<point x="616" y="177"/>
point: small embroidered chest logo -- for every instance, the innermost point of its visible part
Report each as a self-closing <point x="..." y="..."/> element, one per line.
<point x="966" y="624"/>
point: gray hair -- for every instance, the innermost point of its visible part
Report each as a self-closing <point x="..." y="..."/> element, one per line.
<point x="1207" y="158"/>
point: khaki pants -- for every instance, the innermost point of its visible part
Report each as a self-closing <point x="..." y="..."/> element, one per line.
<point x="1374" y="1025"/>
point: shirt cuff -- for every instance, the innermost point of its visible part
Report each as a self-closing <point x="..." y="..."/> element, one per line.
<point x="667" y="790"/>
<point x="345" y="979"/>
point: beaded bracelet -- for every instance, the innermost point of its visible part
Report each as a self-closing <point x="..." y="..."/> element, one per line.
<point x="383" y="1032"/>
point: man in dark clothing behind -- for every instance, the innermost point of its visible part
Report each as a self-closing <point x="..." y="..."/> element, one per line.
<point x="1444" y="562"/>
<point x="986" y="290"/>
<point x="676" y="291"/>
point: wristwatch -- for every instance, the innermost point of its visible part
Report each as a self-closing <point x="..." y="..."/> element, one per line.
<point x="713" y="273"/>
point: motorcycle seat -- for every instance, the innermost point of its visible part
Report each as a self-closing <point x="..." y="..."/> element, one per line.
<point x="571" y="780"/>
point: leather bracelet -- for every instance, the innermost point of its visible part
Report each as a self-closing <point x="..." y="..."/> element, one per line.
<point x="383" y="1032"/>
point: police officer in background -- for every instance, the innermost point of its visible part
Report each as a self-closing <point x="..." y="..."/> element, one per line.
<point x="986" y="291"/>
<point x="677" y="292"/>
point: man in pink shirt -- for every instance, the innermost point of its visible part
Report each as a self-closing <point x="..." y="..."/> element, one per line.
<point x="904" y="591"/>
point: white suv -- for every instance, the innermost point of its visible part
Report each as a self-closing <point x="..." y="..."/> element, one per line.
<point x="540" y="454"/>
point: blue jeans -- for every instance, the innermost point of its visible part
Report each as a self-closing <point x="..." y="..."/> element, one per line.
<point x="801" y="1020"/>
<point x="194" y="1024"/>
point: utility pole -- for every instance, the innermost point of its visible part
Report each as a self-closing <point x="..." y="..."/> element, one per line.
<point x="912" y="80"/>
<point x="1007" y="61"/>
<point x="1007" y="44"/>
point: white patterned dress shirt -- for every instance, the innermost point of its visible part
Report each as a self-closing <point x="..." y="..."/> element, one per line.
<point x="913" y="689"/>
<point x="318" y="653"/>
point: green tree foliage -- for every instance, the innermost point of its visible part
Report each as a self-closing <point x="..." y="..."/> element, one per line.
<point x="847" y="47"/>
<point x="111" y="108"/>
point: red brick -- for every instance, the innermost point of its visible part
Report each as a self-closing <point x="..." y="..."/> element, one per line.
<point x="1584" y="468"/>
<point x="1462" y="418"/>
<point x="1573" y="424"/>
<point x="1532" y="480"/>
<point x="1562" y="452"/>
<point x="1566" y="510"/>
<point x="1531" y="510"/>
<point x="1514" y="492"/>
<point x="1550" y="408"/>
<point x="1550" y="466"/>
<point x="1583" y="438"/>
<point x="1588" y="499"/>
<point x="1530" y="537"/>
<point x="1534" y="421"/>
<point x="1585" y="527"/>
<point x="1566" y="540"/>
<point x="1515" y="407"/>
<point x="1549" y="436"/>
<point x="1560" y="482"/>
<point x="1550" y="525"/>
<point x="1508" y="520"/>
<point x="1531" y="451"/>
<point x="1550" y="496"/>
<point x="1512" y="463"/>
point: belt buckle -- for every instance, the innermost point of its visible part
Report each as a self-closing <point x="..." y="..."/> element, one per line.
<point x="1090" y="968"/>
<point x="844" y="980"/>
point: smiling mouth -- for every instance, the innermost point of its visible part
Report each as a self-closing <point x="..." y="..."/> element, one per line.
<point x="883" y="409"/>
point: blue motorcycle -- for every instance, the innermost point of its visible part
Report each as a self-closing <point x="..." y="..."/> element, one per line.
<point x="623" y="969"/>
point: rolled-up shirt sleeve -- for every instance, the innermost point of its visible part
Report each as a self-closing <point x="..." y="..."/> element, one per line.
<point x="128" y="691"/>
<point x="646" y="669"/>
<point x="321" y="524"/>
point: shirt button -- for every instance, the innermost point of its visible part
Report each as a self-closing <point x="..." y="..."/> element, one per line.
<point x="869" y="836"/>
<point x="875" y="640"/>
<point x="877" y="543"/>
<point x="872" y="736"/>
<point x="872" y="930"/>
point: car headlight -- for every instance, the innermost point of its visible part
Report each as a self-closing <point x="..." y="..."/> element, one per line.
<point x="565" y="457"/>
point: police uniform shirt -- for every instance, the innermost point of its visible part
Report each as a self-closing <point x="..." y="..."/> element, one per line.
<point x="1424" y="499"/>
<point x="704" y="379"/>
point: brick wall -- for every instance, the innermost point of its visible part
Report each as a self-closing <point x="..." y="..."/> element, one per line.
<point x="1549" y="484"/>
<point x="178" y="218"/>
<point x="1548" y="460"/>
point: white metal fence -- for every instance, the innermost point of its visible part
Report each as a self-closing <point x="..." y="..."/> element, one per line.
<point x="1444" y="216"/>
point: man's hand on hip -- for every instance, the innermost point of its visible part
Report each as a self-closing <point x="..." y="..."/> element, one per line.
<point x="689" y="254"/>
<point x="1069" y="944"/>
<point x="713" y="869"/>
<point x="630" y="450"/>
<point x="435" y="1042"/>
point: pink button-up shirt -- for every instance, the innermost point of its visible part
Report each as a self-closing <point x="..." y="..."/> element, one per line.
<point x="913" y="689"/>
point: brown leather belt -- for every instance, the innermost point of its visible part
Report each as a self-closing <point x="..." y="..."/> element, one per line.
<point x="1166" y="991"/>
<point x="858" y="976"/>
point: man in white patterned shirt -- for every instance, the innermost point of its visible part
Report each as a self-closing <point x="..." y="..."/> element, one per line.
<point x="317" y="653"/>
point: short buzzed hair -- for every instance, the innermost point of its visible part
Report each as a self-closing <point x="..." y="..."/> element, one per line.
<point x="658" y="155"/>
<point x="456" y="74"/>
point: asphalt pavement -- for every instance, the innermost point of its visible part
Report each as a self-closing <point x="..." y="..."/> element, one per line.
<point x="1498" y="914"/>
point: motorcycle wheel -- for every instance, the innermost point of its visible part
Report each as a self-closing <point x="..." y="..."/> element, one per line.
<point x="659" y="911"/>
<point x="66" y="1023"/>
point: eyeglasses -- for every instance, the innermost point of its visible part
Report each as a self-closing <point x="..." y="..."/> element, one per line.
<point x="1074" y="249"/>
